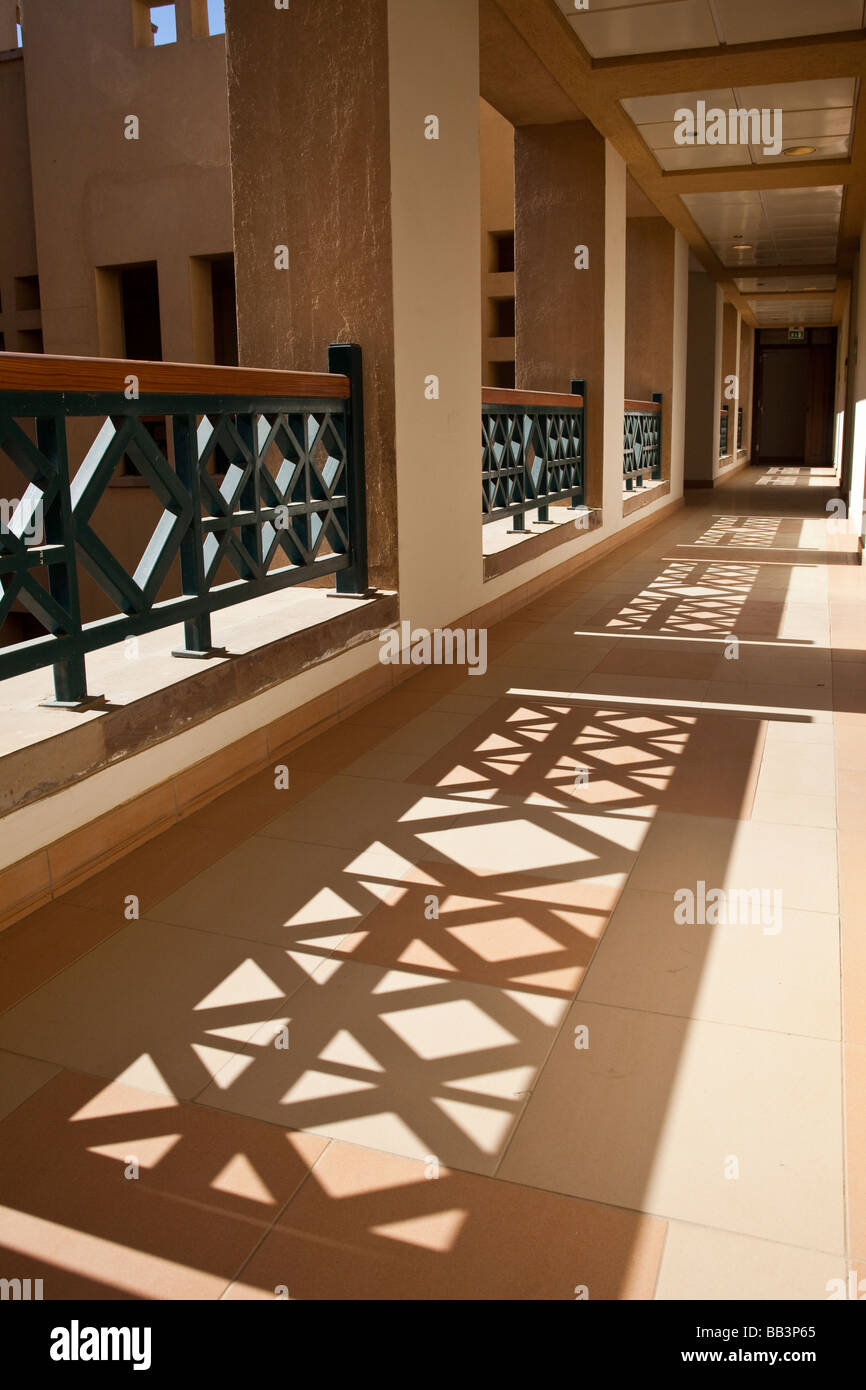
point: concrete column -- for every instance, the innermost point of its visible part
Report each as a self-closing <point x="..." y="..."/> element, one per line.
<point x="570" y="193"/>
<point x="746" y="378"/>
<point x="703" y="380"/>
<point x="310" y="160"/>
<point x="336" y="156"/>
<point x="729" y="371"/>
<point x="651" y="246"/>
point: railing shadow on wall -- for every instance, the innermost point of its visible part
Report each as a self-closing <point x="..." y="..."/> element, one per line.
<point x="642" y="441"/>
<point x="261" y="486"/>
<point x="533" y="447"/>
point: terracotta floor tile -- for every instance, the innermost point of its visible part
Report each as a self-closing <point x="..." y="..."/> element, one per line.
<point x="514" y="932"/>
<point x="369" y="1225"/>
<point x="19" y="1078"/>
<point x="39" y="946"/>
<point x="260" y="799"/>
<point x="156" y="869"/>
<point x="854" y="979"/>
<point x="852" y="873"/>
<point x="208" y="1187"/>
<point x="163" y="1008"/>
<point x="855" y="1109"/>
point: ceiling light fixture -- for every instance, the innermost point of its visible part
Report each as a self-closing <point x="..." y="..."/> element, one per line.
<point x="742" y="246"/>
<point x="795" y="150"/>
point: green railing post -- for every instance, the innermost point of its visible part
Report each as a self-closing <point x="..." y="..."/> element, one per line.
<point x="70" y="673"/>
<point x="578" y="388"/>
<point x="347" y="360"/>
<point x="657" y="467"/>
<point x="197" y="630"/>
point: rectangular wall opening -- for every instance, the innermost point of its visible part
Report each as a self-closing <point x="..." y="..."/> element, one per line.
<point x="27" y="293"/>
<point x="139" y="307"/>
<point x="501" y="252"/>
<point x="30" y="340"/>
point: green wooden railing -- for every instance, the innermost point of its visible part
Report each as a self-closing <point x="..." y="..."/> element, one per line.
<point x="642" y="441"/>
<point x="532" y="452"/>
<point x="258" y="475"/>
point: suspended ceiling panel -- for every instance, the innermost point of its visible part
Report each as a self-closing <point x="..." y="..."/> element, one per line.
<point x="792" y="312"/>
<point x="611" y="28"/>
<point x="819" y="114"/>
<point x="781" y="226"/>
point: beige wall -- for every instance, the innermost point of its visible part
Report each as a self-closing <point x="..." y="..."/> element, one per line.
<point x="17" y="230"/>
<point x="497" y="215"/>
<point x="101" y="199"/>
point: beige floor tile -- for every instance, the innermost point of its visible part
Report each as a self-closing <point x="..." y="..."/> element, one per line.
<point x="782" y="808"/>
<point x="595" y="849"/>
<point x="369" y="1225"/>
<point x="645" y="688"/>
<point x="747" y="975"/>
<point x="808" y="702"/>
<point x="654" y="1112"/>
<point x="406" y="1063"/>
<point x="518" y="931"/>
<point x="158" y="1006"/>
<point x="19" y="1078"/>
<point x="810" y="771"/>
<point x="798" y="861"/>
<point x="700" y="1263"/>
<point x="292" y="895"/>
<point x="364" y="813"/>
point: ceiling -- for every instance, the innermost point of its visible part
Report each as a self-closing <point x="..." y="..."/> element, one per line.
<point x="819" y="114"/>
<point x="628" y="66"/>
<point x="611" y="28"/>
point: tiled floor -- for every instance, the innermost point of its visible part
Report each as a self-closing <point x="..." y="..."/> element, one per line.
<point x="434" y="1023"/>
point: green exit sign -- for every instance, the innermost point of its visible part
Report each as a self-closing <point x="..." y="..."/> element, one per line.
<point x="796" y="335"/>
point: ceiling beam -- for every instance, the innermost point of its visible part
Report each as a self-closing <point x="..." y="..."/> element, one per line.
<point x="840" y="299"/>
<point x="752" y="295"/>
<point x="777" y="272"/>
<point x="734" y="65"/>
<point x="738" y="178"/>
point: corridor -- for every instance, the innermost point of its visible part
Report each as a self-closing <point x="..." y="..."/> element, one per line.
<point x="452" y="1015"/>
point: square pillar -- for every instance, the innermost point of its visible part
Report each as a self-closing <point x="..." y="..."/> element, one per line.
<point x="354" y="146"/>
<point x="651" y="309"/>
<point x="570" y="194"/>
<point x="703" y="380"/>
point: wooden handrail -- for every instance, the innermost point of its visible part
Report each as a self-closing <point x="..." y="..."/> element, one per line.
<point x="643" y="407"/>
<point x="37" y="371"/>
<point x="495" y="395"/>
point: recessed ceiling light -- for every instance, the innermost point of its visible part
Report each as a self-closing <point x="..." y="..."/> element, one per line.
<point x="742" y="246"/>
<point x="794" y="150"/>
